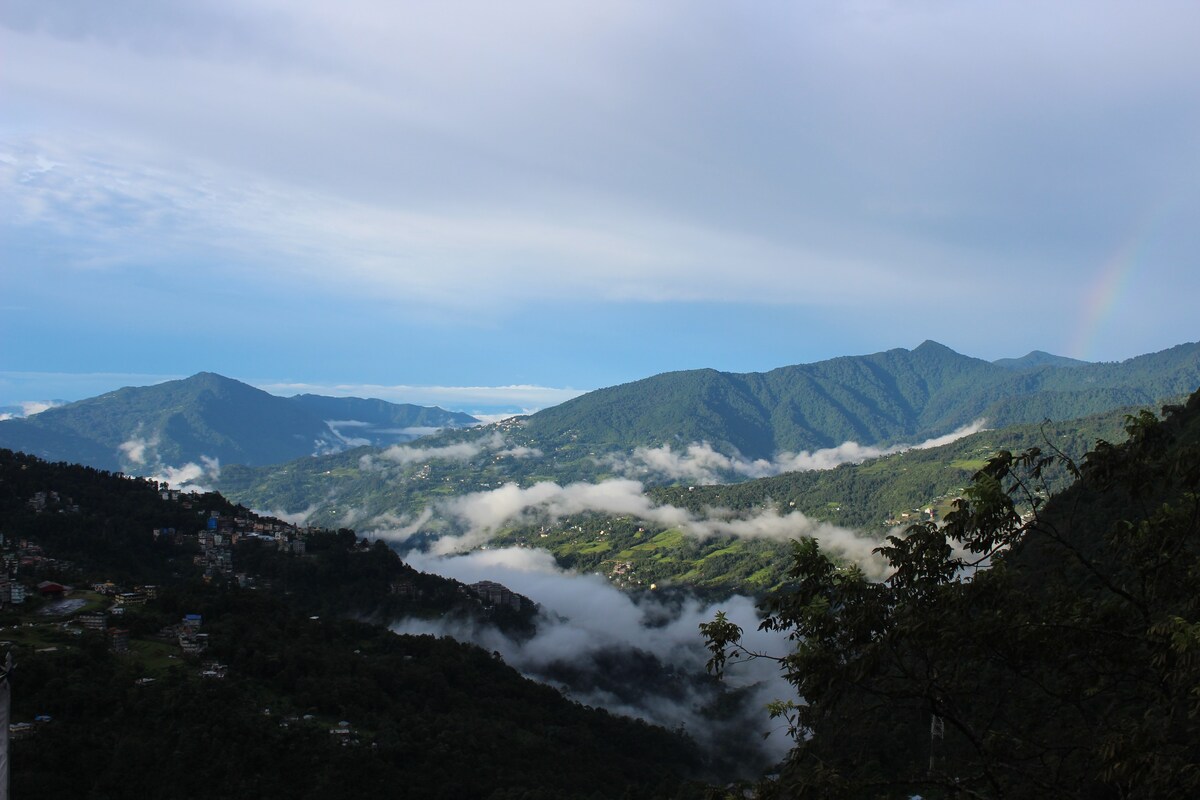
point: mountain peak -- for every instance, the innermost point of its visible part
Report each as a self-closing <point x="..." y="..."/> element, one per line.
<point x="930" y="346"/>
<point x="213" y="378"/>
<point x="1038" y="358"/>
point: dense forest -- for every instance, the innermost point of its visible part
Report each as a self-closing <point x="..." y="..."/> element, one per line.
<point x="1040" y="639"/>
<point x="889" y="398"/>
<point x="1050" y="652"/>
<point x="296" y="693"/>
<point x="873" y="497"/>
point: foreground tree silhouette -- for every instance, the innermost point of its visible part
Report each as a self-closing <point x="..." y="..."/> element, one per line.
<point x="1024" y="649"/>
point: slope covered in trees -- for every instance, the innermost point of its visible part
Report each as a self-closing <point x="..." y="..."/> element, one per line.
<point x="141" y="429"/>
<point x="870" y="498"/>
<point x="260" y="711"/>
<point x="876" y="494"/>
<point x="1047" y="654"/>
<point x="895" y="396"/>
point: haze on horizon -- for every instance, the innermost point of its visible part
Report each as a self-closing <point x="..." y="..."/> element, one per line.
<point x="548" y="198"/>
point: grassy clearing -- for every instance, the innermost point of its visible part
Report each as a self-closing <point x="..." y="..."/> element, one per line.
<point x="732" y="549"/>
<point x="667" y="539"/>
<point x="155" y="657"/>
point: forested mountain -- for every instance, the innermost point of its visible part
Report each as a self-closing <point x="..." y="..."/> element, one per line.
<point x="874" y="495"/>
<point x="139" y="430"/>
<point x="367" y="415"/>
<point x="895" y="396"/>
<point x="1066" y="666"/>
<point x="285" y="691"/>
<point x="871" y="498"/>
<point x="889" y="397"/>
<point x="1038" y="358"/>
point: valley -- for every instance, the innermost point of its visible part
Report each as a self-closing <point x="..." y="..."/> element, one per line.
<point x="613" y="532"/>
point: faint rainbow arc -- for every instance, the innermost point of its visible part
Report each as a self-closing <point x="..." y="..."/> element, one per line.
<point x="1101" y="298"/>
<point x="1113" y="279"/>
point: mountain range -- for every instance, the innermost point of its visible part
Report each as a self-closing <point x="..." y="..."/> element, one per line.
<point x="883" y="399"/>
<point x="138" y="430"/>
<point x="705" y="426"/>
<point x="894" y="396"/>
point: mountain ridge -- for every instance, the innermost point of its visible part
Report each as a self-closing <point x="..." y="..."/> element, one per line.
<point x="886" y="398"/>
<point x="140" y="429"/>
<point x="890" y="396"/>
<point x="705" y="426"/>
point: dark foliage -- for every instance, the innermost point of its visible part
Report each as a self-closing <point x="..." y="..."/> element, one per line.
<point x="427" y="717"/>
<point x="1047" y="654"/>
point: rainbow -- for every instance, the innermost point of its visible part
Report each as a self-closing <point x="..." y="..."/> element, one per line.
<point x="1101" y="298"/>
<point x="1114" y="277"/>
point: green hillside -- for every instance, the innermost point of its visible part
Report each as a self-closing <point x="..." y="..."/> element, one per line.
<point x="290" y="693"/>
<point x="139" y="430"/>
<point x="895" y="396"/>
<point x="380" y="413"/>
<point x="1066" y="666"/>
<point x="1038" y="358"/>
<point x="872" y="498"/>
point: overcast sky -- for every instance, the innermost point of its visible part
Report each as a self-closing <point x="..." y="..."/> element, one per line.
<point x="481" y="204"/>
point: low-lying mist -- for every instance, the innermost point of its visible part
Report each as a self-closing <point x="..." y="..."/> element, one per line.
<point x="700" y="463"/>
<point x="641" y="655"/>
<point x="469" y="521"/>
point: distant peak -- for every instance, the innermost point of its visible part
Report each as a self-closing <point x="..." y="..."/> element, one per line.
<point x="930" y="346"/>
<point x="208" y="376"/>
<point x="1038" y="358"/>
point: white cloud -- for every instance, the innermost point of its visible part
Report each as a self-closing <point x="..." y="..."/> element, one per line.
<point x="527" y="397"/>
<point x="138" y="450"/>
<point x="398" y="528"/>
<point x="28" y="408"/>
<point x="336" y="426"/>
<point x="856" y="150"/>
<point x="494" y="445"/>
<point x="299" y="518"/>
<point x="700" y="463"/>
<point x="141" y="456"/>
<point x="819" y="156"/>
<point x="478" y="516"/>
<point x="585" y="619"/>
<point x="31" y="407"/>
<point x="190" y="477"/>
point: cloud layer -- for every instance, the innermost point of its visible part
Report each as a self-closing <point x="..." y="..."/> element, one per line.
<point x="472" y="166"/>
<point x="494" y="445"/>
<point x="476" y="517"/>
<point x="700" y="463"/>
<point x="140" y="454"/>
<point x="584" y="621"/>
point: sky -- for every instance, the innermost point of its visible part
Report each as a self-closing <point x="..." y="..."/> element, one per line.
<point x="489" y="205"/>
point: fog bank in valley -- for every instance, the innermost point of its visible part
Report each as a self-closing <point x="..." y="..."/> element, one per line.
<point x="637" y="655"/>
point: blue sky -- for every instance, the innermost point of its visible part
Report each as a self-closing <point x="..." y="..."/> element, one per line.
<point x="486" y="205"/>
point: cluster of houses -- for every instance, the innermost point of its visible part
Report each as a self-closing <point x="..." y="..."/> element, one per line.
<point x="929" y="514"/>
<point x="496" y="594"/>
<point x="49" y="501"/>
<point x="215" y="541"/>
<point x="123" y="598"/>
<point x="20" y="555"/>
<point x="221" y="533"/>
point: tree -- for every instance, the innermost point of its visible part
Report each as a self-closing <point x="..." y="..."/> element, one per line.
<point x="1023" y="649"/>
